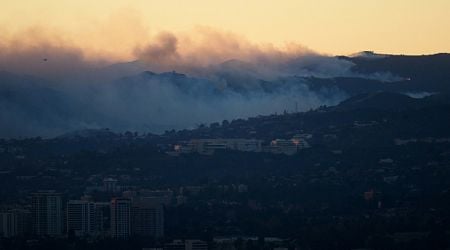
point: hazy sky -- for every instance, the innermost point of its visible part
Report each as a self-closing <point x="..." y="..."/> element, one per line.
<point x="327" y="26"/>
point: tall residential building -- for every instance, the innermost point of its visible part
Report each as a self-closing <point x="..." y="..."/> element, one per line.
<point x="47" y="213"/>
<point x="15" y="222"/>
<point x="81" y="217"/>
<point x="148" y="217"/>
<point x="103" y="216"/>
<point x="120" y="218"/>
<point x="23" y="220"/>
<point x="8" y="225"/>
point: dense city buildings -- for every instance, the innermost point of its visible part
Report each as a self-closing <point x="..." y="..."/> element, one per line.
<point x="123" y="217"/>
<point x="320" y="185"/>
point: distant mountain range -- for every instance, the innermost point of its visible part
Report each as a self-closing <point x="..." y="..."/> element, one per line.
<point x="421" y="73"/>
<point x="133" y="98"/>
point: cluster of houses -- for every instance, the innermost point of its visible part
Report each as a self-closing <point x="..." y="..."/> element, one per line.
<point x="210" y="146"/>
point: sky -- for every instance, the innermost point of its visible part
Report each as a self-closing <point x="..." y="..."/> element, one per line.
<point x="333" y="27"/>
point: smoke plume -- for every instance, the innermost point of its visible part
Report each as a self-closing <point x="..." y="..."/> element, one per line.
<point x="50" y="85"/>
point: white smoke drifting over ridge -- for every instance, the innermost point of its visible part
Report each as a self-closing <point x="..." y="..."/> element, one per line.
<point x="206" y="51"/>
<point x="227" y="77"/>
<point x="181" y="102"/>
<point x="146" y="102"/>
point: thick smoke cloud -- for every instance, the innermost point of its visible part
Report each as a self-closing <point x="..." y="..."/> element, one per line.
<point x="146" y="102"/>
<point x="202" y="51"/>
<point x="49" y="86"/>
<point x="37" y="52"/>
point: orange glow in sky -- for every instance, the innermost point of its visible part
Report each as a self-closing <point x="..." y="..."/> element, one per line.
<point x="327" y="26"/>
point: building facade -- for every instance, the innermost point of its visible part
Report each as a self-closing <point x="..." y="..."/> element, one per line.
<point x="47" y="213"/>
<point x="148" y="217"/>
<point x="81" y="218"/>
<point x="121" y="218"/>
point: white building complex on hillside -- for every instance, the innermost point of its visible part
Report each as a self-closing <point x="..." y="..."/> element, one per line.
<point x="210" y="146"/>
